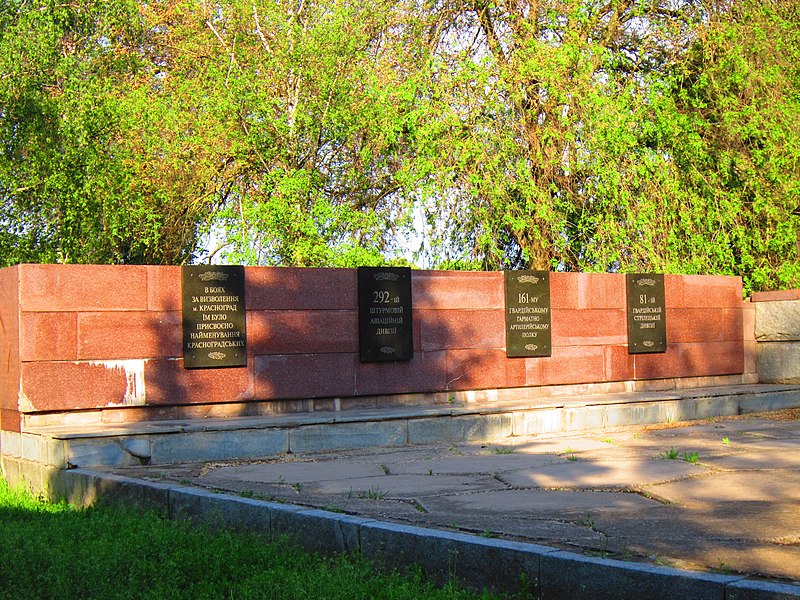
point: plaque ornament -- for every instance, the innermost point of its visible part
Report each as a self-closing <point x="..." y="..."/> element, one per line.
<point x="650" y="282"/>
<point x="383" y="276"/>
<point x="213" y="276"/>
<point x="528" y="279"/>
<point x="217" y="355"/>
<point x="388" y="350"/>
<point x="531" y="347"/>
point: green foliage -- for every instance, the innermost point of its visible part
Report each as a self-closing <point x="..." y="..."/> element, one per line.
<point x="56" y="551"/>
<point x="314" y="133"/>
<point x="69" y="182"/>
<point x="691" y="457"/>
<point x="671" y="454"/>
<point x="564" y="134"/>
<point x="632" y="136"/>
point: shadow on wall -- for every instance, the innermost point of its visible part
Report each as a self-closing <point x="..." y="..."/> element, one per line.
<point x="303" y="349"/>
<point x="111" y="339"/>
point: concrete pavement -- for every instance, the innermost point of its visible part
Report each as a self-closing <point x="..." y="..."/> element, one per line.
<point x="720" y="495"/>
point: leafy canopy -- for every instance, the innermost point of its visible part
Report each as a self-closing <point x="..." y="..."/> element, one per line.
<point x="556" y="134"/>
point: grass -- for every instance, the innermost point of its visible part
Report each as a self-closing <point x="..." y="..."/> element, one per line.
<point x="373" y="493"/>
<point x="587" y="521"/>
<point x="691" y="457"/>
<point x="58" y="551"/>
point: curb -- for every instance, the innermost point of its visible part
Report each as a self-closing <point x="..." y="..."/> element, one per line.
<point x="472" y="561"/>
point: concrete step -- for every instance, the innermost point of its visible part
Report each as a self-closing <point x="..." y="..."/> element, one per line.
<point x="201" y="440"/>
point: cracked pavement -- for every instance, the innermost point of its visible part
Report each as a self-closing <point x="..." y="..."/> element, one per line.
<point x="716" y="495"/>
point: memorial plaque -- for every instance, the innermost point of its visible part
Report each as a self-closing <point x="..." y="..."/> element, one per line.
<point x="528" y="331"/>
<point x="385" y="329"/>
<point x="214" y="323"/>
<point x="647" y="325"/>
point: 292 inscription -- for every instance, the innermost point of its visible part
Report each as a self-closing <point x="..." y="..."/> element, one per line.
<point x="384" y="314"/>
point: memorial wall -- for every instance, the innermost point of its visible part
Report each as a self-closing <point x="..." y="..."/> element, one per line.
<point x="144" y="342"/>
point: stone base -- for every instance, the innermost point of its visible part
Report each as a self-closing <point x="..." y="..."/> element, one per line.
<point x="201" y="440"/>
<point x="779" y="362"/>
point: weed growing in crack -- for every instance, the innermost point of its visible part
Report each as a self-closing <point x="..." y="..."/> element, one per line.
<point x="587" y="521"/>
<point x="373" y="493"/>
<point x="691" y="457"/>
<point x="670" y="454"/>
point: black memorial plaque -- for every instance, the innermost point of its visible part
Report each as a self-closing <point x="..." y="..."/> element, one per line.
<point x="647" y="324"/>
<point x="214" y="324"/>
<point x="528" y="331"/>
<point x="385" y="329"/>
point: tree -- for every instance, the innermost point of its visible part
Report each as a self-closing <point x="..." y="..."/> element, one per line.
<point x="604" y="135"/>
<point x="71" y="172"/>
<point x="132" y="129"/>
<point x="539" y="102"/>
<point x="582" y="136"/>
<point x="730" y="123"/>
<point x="309" y="116"/>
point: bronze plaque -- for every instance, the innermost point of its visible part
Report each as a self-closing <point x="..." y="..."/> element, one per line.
<point x="647" y="318"/>
<point x="385" y="328"/>
<point x="528" y="331"/>
<point x="214" y="323"/>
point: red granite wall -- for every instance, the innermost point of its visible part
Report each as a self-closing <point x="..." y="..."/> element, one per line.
<point x="9" y="349"/>
<point x="92" y="337"/>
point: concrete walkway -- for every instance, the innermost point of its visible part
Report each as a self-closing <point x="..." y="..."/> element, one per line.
<point x="720" y="495"/>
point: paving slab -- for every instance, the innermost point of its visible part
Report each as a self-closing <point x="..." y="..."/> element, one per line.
<point x="565" y="504"/>
<point x="409" y="486"/>
<point x="490" y="464"/>
<point x="777" y="486"/>
<point x="299" y="471"/>
<point x="601" y="474"/>
<point x="763" y="460"/>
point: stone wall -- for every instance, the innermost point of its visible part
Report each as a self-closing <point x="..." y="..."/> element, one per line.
<point x="107" y="339"/>
<point x="777" y="331"/>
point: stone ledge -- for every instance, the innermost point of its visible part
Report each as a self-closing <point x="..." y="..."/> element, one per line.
<point x="779" y="362"/>
<point x="163" y="442"/>
<point x="456" y="409"/>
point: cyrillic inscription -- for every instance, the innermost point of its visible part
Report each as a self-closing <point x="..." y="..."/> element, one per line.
<point x="385" y="331"/>
<point x="214" y="323"/>
<point x="528" y="331"/>
<point x="647" y="325"/>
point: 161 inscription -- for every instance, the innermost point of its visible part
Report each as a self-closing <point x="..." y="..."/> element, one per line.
<point x="527" y="296"/>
